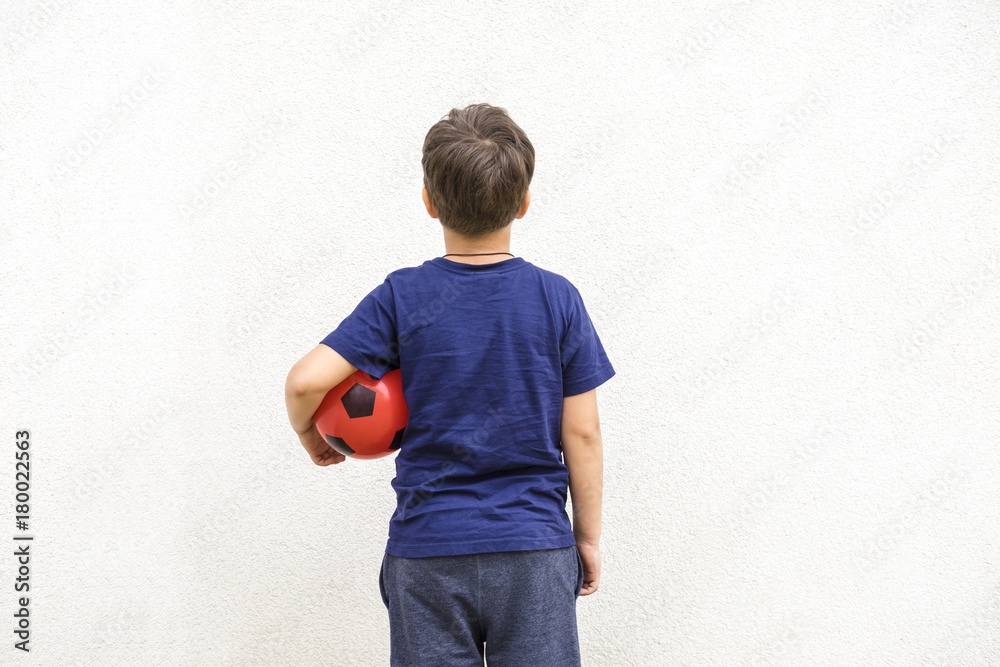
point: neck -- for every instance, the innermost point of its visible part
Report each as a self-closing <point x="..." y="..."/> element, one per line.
<point x="497" y="242"/>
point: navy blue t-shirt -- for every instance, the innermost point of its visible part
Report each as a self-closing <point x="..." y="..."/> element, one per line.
<point x="487" y="352"/>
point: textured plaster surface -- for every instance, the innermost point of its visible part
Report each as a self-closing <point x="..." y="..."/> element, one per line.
<point x="783" y="218"/>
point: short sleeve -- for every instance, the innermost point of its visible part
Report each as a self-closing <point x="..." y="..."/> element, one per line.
<point x="367" y="337"/>
<point x="585" y="365"/>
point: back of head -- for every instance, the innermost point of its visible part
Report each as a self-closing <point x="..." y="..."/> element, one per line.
<point x="477" y="168"/>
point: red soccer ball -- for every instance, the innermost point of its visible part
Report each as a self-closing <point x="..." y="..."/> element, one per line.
<point x="362" y="417"/>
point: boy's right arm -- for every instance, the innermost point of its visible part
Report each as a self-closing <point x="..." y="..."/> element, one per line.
<point x="584" y="456"/>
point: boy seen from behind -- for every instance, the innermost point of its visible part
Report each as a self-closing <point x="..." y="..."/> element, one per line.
<point x="500" y="365"/>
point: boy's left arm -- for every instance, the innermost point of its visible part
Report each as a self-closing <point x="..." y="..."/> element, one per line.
<point x="307" y="384"/>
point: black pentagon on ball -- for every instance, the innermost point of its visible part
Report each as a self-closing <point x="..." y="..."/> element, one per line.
<point x="339" y="445"/>
<point x="359" y="402"/>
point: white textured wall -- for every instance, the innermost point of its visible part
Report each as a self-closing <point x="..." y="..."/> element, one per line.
<point x="783" y="218"/>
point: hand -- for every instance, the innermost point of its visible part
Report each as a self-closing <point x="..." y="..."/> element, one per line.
<point x="319" y="449"/>
<point x="590" y="554"/>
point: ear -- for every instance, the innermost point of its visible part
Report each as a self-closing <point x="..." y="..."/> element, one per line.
<point x="524" y="206"/>
<point x="428" y="205"/>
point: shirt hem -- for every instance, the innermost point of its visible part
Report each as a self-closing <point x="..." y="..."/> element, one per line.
<point x="355" y="358"/>
<point x="394" y="548"/>
<point x="593" y="381"/>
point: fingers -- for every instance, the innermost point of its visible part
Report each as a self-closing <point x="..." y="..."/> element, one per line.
<point x="326" y="458"/>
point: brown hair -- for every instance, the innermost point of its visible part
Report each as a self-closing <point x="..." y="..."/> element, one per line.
<point x="477" y="167"/>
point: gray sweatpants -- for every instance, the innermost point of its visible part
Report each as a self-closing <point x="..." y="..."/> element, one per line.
<point x="512" y="607"/>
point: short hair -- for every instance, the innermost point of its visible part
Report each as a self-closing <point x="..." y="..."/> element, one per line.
<point x="477" y="168"/>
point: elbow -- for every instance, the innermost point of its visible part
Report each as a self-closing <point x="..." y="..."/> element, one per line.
<point x="590" y="432"/>
<point x="583" y="438"/>
<point x="295" y="384"/>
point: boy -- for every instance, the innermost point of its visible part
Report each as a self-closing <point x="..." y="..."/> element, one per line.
<point x="500" y="366"/>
